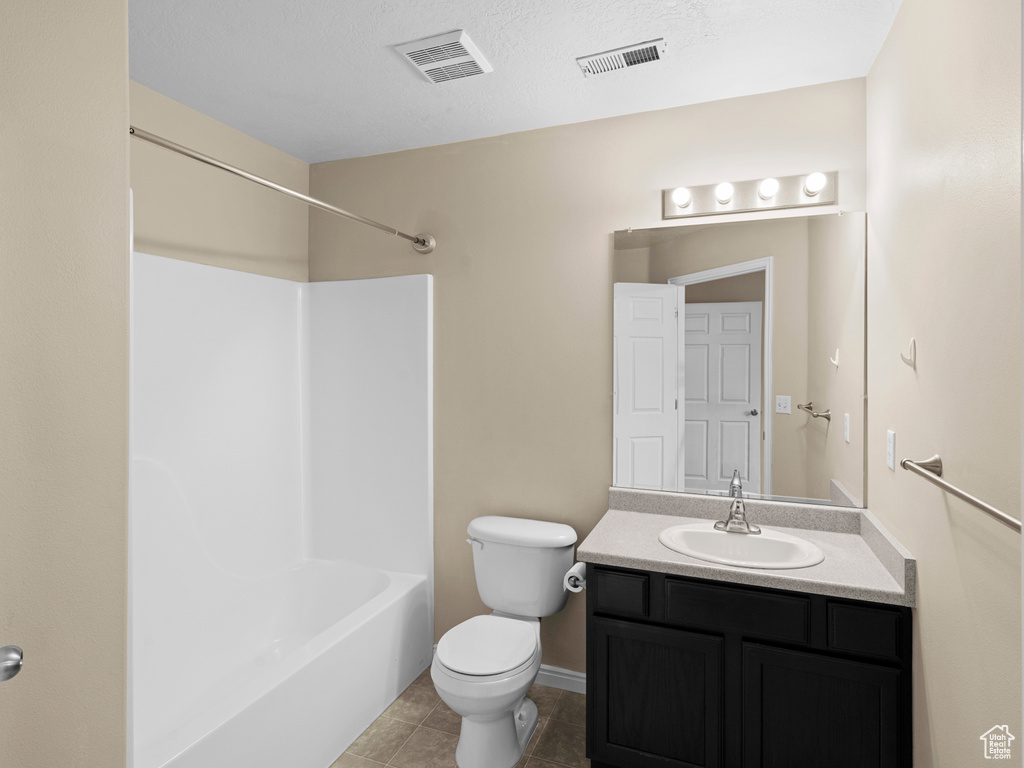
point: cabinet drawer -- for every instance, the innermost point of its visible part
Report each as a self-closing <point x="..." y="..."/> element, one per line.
<point x="625" y="594"/>
<point x="777" y="617"/>
<point x="868" y="631"/>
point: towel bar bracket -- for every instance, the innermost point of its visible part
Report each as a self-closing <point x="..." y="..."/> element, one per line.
<point x="933" y="465"/>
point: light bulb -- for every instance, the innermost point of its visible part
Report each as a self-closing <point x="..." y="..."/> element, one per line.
<point x="766" y="189"/>
<point x="682" y="197"/>
<point x="723" y="192"/>
<point x="814" y="184"/>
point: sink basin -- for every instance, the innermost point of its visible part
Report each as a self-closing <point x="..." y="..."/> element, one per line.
<point x="768" y="549"/>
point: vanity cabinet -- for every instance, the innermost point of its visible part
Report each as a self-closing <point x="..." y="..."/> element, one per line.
<point x="690" y="673"/>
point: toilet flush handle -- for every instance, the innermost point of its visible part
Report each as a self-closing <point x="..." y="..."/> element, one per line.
<point x="471" y="540"/>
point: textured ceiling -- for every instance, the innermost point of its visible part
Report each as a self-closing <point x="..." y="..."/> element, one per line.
<point x="320" y="79"/>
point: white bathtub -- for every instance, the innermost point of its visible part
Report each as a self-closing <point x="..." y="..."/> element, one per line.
<point x="280" y="444"/>
<point x="345" y="640"/>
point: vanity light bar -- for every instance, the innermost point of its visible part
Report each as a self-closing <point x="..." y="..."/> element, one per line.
<point x="802" y="191"/>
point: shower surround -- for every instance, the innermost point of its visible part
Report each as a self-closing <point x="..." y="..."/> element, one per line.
<point x="281" y="511"/>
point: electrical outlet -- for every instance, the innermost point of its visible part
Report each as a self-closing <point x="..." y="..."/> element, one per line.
<point x="890" y="449"/>
<point x="782" y="404"/>
<point x="846" y="426"/>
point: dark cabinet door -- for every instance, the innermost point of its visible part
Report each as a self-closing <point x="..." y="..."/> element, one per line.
<point x="654" y="696"/>
<point x="801" y="710"/>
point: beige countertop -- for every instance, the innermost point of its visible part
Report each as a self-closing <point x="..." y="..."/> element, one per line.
<point x="862" y="561"/>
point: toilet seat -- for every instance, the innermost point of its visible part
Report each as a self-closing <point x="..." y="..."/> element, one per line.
<point x="487" y="645"/>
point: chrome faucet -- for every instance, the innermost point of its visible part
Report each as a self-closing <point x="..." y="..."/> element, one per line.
<point x="737" y="520"/>
<point x="735" y="485"/>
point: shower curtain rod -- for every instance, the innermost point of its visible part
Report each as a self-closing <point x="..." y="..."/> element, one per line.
<point x="423" y="243"/>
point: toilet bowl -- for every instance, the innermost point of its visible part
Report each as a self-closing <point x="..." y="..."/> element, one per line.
<point x="483" y="667"/>
<point x="482" y="670"/>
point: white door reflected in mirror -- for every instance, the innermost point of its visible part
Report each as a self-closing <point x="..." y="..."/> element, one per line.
<point x="722" y="395"/>
<point x="645" y="425"/>
<point x="687" y="390"/>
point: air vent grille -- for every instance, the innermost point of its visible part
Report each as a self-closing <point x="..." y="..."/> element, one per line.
<point x="441" y="58"/>
<point x="641" y="56"/>
<point x="453" y="71"/>
<point x="438" y="53"/>
<point x="622" y="58"/>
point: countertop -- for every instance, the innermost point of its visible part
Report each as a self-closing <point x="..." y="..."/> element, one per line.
<point x="863" y="561"/>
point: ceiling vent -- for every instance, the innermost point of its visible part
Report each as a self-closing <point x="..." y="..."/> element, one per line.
<point x="450" y="56"/>
<point x="621" y="58"/>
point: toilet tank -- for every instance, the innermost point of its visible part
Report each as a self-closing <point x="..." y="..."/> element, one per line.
<point x="519" y="564"/>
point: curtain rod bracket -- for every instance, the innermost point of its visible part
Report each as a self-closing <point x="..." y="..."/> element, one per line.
<point x="424" y="243"/>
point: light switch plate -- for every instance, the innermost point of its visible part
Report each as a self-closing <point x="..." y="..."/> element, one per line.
<point x="890" y="449"/>
<point x="846" y="427"/>
<point x="782" y="404"/>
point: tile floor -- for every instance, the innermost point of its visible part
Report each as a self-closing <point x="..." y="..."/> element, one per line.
<point x="420" y="731"/>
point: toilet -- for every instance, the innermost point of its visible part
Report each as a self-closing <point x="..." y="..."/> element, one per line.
<point x="483" y="667"/>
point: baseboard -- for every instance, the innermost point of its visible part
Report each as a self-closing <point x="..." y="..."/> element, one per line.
<point x="563" y="679"/>
<point x="556" y="677"/>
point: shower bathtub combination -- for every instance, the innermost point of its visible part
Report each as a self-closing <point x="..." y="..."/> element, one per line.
<point x="281" y="512"/>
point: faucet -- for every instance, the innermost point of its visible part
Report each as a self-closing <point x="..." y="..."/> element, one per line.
<point x="737" y="520"/>
<point x="735" y="485"/>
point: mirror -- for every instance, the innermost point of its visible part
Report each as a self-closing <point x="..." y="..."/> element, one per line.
<point x="741" y="347"/>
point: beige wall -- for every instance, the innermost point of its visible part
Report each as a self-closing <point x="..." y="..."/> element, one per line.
<point x="632" y="265"/>
<point x="748" y="287"/>
<point x="835" y="308"/>
<point x="944" y="266"/>
<point x="523" y="275"/>
<point x="64" y="380"/>
<point x="785" y="241"/>
<point x="186" y="210"/>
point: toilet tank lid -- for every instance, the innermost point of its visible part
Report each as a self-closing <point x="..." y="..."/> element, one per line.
<point x="524" y="533"/>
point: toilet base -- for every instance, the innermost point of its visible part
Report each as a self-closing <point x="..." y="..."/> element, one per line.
<point x="497" y="742"/>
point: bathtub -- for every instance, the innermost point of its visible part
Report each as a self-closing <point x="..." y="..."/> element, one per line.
<point x="337" y="642"/>
<point x="280" y="445"/>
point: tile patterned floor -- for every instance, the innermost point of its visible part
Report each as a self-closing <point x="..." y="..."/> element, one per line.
<point x="420" y="731"/>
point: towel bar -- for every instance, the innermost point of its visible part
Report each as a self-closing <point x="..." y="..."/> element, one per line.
<point x="931" y="470"/>
<point x="826" y="414"/>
